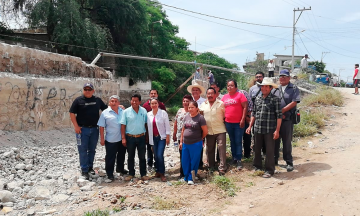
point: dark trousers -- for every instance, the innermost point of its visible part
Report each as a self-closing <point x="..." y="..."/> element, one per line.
<point x="150" y="155"/>
<point x="271" y="73"/>
<point x="247" y="143"/>
<point x="260" y="140"/>
<point x="181" y="168"/>
<point x="132" y="144"/>
<point x="285" y="135"/>
<point x="115" y="151"/>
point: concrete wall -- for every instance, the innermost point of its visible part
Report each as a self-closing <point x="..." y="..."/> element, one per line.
<point x="37" y="88"/>
<point x="33" y="103"/>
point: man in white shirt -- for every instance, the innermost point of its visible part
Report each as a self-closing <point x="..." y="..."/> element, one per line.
<point x="271" y="68"/>
<point x="304" y="63"/>
<point x="196" y="90"/>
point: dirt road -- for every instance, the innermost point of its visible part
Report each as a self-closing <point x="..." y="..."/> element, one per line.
<point x="327" y="176"/>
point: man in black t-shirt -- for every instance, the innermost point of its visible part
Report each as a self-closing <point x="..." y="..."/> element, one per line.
<point x="84" y="114"/>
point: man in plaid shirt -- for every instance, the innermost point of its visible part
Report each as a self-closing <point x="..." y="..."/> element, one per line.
<point x="267" y="117"/>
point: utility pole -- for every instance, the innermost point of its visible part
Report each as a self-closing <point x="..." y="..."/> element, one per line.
<point x="294" y="29"/>
<point x="339" y="74"/>
<point x="323" y="56"/>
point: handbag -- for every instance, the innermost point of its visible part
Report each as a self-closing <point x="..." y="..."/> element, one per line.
<point x="295" y="117"/>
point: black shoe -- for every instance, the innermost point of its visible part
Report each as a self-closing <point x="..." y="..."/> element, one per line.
<point x="289" y="168"/>
<point x="234" y="162"/>
<point x="239" y="165"/>
<point x="91" y="171"/>
<point x="122" y="171"/>
<point x="111" y="178"/>
<point x="86" y="175"/>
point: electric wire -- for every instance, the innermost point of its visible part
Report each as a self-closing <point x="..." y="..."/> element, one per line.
<point x="228" y="25"/>
<point x="216" y="17"/>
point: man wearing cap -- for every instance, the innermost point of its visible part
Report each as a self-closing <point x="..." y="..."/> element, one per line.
<point x="304" y="62"/>
<point x="115" y="151"/>
<point x="134" y="136"/>
<point x="150" y="155"/>
<point x="266" y="119"/>
<point x="197" y="73"/>
<point x="196" y="90"/>
<point x="84" y="114"/>
<point x="289" y="97"/>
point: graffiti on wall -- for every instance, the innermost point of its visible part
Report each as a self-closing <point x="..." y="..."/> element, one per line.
<point x="27" y="105"/>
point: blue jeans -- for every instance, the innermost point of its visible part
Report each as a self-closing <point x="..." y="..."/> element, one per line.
<point x="89" y="140"/>
<point x="235" y="134"/>
<point x="132" y="144"/>
<point x="159" y="148"/>
<point x="191" y="158"/>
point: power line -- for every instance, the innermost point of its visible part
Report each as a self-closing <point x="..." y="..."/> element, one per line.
<point x="330" y="49"/>
<point x="228" y="25"/>
<point x="216" y="17"/>
<point x="305" y="47"/>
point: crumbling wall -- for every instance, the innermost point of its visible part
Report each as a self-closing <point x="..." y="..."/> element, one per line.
<point x="37" y="88"/>
<point x="22" y="60"/>
<point x="33" y="103"/>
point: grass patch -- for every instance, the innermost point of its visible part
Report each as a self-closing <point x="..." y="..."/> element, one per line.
<point x="325" y="96"/>
<point x="248" y="160"/>
<point x="258" y="173"/>
<point x="116" y="210"/>
<point x="311" y="121"/>
<point x="97" y="212"/>
<point x="173" y="110"/>
<point x="303" y="76"/>
<point x="250" y="184"/>
<point x="178" y="183"/>
<point x="226" y="184"/>
<point x="162" y="204"/>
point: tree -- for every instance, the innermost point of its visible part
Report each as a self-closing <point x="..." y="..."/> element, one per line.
<point x="320" y="66"/>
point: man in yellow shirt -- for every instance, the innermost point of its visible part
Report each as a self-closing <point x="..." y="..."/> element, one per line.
<point x="214" y="114"/>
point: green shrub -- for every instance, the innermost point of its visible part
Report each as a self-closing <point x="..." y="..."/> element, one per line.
<point x="311" y="121"/>
<point x="97" y="212"/>
<point x="226" y="184"/>
<point x="325" y="96"/>
<point x="172" y="110"/>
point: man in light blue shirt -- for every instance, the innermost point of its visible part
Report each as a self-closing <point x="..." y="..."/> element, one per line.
<point x="133" y="133"/>
<point x="109" y="121"/>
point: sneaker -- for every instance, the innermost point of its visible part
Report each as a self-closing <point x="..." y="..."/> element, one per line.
<point x="256" y="169"/>
<point x="145" y="178"/>
<point x="289" y="168"/>
<point x="111" y="178"/>
<point x="86" y="175"/>
<point x="191" y="183"/>
<point x="128" y="178"/>
<point x="193" y="175"/>
<point x="91" y="171"/>
<point x="239" y="165"/>
<point x="122" y="171"/>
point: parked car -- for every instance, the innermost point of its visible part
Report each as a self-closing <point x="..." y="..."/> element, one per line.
<point x="349" y="85"/>
<point x="324" y="78"/>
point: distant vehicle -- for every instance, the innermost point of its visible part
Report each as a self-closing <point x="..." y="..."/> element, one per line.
<point x="349" y="85"/>
<point x="324" y="78"/>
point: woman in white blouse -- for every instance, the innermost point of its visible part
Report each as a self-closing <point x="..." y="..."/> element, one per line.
<point x="159" y="135"/>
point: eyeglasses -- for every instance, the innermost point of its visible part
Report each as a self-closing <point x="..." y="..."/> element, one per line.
<point x="257" y="77"/>
<point x="87" y="89"/>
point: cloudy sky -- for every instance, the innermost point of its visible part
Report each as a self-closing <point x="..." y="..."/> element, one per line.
<point x="331" y="26"/>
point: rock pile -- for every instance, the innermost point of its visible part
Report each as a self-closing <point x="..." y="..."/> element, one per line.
<point x="35" y="178"/>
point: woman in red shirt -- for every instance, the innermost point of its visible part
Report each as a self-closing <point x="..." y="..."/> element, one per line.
<point x="235" y="112"/>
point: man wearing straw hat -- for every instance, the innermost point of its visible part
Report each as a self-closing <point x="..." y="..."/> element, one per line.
<point x="196" y="90"/>
<point x="266" y="118"/>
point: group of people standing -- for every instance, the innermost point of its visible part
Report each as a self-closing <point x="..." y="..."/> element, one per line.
<point x="264" y="114"/>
